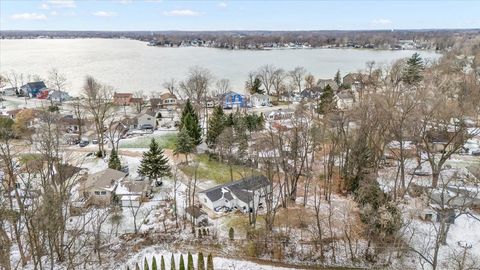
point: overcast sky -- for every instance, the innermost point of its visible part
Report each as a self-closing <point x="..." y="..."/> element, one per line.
<point x="236" y="15"/>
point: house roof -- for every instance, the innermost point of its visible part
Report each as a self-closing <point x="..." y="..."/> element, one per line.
<point x="122" y="95"/>
<point x="105" y="179"/>
<point x="129" y="187"/>
<point x="167" y="95"/>
<point x="36" y="85"/>
<point x="241" y="188"/>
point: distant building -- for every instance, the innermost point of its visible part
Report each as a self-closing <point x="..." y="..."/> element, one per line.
<point x="196" y="214"/>
<point x="122" y="99"/>
<point x="32" y="89"/>
<point x="12" y="91"/>
<point x="232" y="100"/>
<point x="245" y="195"/>
<point x="258" y="100"/>
<point x="58" y="96"/>
<point x="146" y="120"/>
<point x="169" y="101"/>
<point x="323" y="83"/>
<point x="345" y="100"/>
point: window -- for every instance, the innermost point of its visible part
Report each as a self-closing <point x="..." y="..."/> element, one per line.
<point x="97" y="192"/>
<point x="103" y="193"/>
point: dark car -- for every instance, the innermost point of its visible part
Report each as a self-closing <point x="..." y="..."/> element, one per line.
<point x="83" y="143"/>
<point x="476" y="153"/>
<point x="147" y="126"/>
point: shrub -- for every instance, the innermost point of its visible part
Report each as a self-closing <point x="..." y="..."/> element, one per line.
<point x="231" y="233"/>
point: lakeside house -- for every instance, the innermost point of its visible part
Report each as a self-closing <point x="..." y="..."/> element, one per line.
<point x="246" y="195"/>
<point x="197" y="215"/>
<point x="258" y="100"/>
<point x="345" y="100"/>
<point x="122" y="99"/>
<point x="11" y="91"/>
<point x="232" y="100"/>
<point x="58" y="96"/>
<point x="32" y="89"/>
<point x="168" y="101"/>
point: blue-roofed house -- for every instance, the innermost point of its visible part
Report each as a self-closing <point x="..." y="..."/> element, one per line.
<point x="32" y="89"/>
<point x="233" y="100"/>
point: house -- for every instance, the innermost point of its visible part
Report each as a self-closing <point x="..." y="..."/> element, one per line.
<point x="58" y="96"/>
<point x="322" y="83"/>
<point x="280" y="114"/>
<point x="442" y="140"/>
<point x="146" y="120"/>
<point x="12" y="91"/>
<point x="43" y="94"/>
<point x="130" y="193"/>
<point x="71" y="124"/>
<point x="122" y="99"/>
<point x="99" y="187"/>
<point x="246" y="195"/>
<point x="155" y="104"/>
<point x="197" y="215"/>
<point x="311" y="93"/>
<point x="258" y="100"/>
<point x="169" y="101"/>
<point x="233" y="100"/>
<point x="32" y="89"/>
<point x="345" y="100"/>
<point x="354" y="80"/>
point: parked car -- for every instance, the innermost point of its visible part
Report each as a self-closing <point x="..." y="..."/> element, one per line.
<point x="476" y="153"/>
<point x="146" y="126"/>
<point x="83" y="143"/>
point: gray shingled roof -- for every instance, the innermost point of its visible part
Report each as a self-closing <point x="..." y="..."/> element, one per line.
<point x="241" y="189"/>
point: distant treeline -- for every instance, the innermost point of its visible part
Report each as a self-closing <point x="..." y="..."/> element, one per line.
<point x="430" y="39"/>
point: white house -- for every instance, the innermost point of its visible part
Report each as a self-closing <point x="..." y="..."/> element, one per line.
<point x="58" y="96"/>
<point x="131" y="192"/>
<point x="146" y="120"/>
<point x="12" y="91"/>
<point x="345" y="100"/>
<point x="258" y="100"/>
<point x="245" y="195"/>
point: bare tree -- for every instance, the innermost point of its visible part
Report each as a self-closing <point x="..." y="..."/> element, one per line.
<point x="222" y="87"/>
<point x="57" y="79"/>
<point x="266" y="76"/>
<point x="99" y="105"/>
<point x="171" y="86"/>
<point x="310" y="81"/>
<point x="196" y="85"/>
<point x="297" y="75"/>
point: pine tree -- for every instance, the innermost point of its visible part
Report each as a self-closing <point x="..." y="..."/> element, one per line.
<point x="200" y="262"/>
<point x="182" y="263"/>
<point x="254" y="88"/>
<point x="184" y="144"/>
<point x="231" y="233"/>
<point x="154" y="263"/>
<point x="145" y="264"/>
<point x="162" y="264"/>
<point x="190" y="121"/>
<point x="216" y="124"/>
<point x="412" y="73"/>
<point x="154" y="163"/>
<point x="190" y="261"/>
<point x="137" y="267"/>
<point x="327" y="101"/>
<point x="114" y="161"/>
<point x="210" y="262"/>
<point x="172" y="263"/>
<point x="338" y="78"/>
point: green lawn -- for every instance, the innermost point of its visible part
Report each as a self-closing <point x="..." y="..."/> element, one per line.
<point x="215" y="170"/>
<point x="166" y="141"/>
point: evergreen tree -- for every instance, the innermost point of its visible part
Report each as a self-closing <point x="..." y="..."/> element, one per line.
<point x="182" y="263"/>
<point x="216" y="124"/>
<point x="162" y="264"/>
<point x="154" y="263"/>
<point x="327" y="101"/>
<point x="338" y="78"/>
<point x="190" y="261"/>
<point x="231" y="233"/>
<point x="412" y="73"/>
<point x="200" y="262"/>
<point x="210" y="262"/>
<point x="254" y="88"/>
<point x="137" y="267"/>
<point x="145" y="264"/>
<point x="190" y="121"/>
<point x="184" y="144"/>
<point x="114" y="161"/>
<point x="172" y="263"/>
<point x="154" y="163"/>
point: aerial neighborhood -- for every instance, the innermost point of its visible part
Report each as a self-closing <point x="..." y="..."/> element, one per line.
<point x="293" y="167"/>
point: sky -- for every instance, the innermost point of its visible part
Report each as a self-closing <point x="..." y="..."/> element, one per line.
<point x="150" y="15"/>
